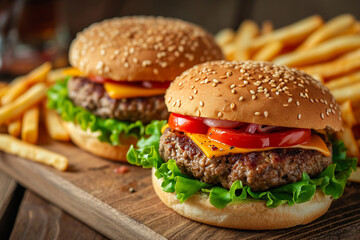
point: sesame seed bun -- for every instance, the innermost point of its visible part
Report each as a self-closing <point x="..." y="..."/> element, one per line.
<point x="254" y="92"/>
<point x="88" y="141"/>
<point x="141" y="48"/>
<point x="252" y="215"/>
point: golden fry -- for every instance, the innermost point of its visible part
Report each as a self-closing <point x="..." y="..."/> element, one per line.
<point x="16" y="108"/>
<point x="30" y="125"/>
<point x="34" y="153"/>
<point x="351" y="92"/>
<point x="54" y="126"/>
<point x="347" y="114"/>
<point x="14" y="128"/>
<point x="23" y="83"/>
<point x="268" y="52"/>
<point x="333" y="28"/>
<point x="340" y="66"/>
<point x="225" y="36"/>
<point x="355" y="176"/>
<point x="291" y="34"/>
<point x="323" y="52"/>
<point x="247" y="31"/>
<point x="344" y="81"/>
<point x="229" y="51"/>
<point x="350" y="142"/>
<point x="266" y="27"/>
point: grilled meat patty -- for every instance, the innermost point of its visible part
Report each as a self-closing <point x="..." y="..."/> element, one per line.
<point x="258" y="170"/>
<point x="93" y="97"/>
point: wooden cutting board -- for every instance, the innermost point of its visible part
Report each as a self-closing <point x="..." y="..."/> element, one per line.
<point x="92" y="192"/>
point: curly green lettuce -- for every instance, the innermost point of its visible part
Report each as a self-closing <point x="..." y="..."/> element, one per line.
<point x="109" y="129"/>
<point x="331" y="181"/>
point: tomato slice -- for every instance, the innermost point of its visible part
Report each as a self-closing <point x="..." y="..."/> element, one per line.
<point x="144" y="84"/>
<point x="187" y="124"/>
<point x="241" y="139"/>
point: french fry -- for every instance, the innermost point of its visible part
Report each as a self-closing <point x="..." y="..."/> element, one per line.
<point x="350" y="142"/>
<point x="333" y="28"/>
<point x="318" y="77"/>
<point x="30" y="125"/>
<point x="34" y="153"/>
<point x="55" y="75"/>
<point x="14" y="128"/>
<point x="355" y="176"/>
<point x="340" y="66"/>
<point x="268" y="52"/>
<point x="343" y="81"/>
<point x="247" y="31"/>
<point x="225" y="36"/>
<point x="54" y="125"/>
<point x="291" y="34"/>
<point x="351" y="92"/>
<point x="23" y="83"/>
<point x="322" y="52"/>
<point x="229" y="51"/>
<point x="266" y="27"/>
<point x="3" y="89"/>
<point x="16" y="108"/>
<point x="347" y="114"/>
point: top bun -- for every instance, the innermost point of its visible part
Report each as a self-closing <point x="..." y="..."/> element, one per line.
<point x="254" y="92"/>
<point x="142" y="48"/>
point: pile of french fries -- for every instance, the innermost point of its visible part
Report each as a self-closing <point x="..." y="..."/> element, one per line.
<point x="22" y="103"/>
<point x="329" y="51"/>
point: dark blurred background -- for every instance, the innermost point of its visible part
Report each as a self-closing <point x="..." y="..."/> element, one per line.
<point x="34" y="31"/>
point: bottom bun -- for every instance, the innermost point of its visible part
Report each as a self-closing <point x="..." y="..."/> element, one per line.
<point x="252" y="215"/>
<point x="88" y="141"/>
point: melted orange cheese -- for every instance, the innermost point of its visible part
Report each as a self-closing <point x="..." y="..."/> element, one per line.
<point x="73" y="72"/>
<point x="213" y="148"/>
<point x="118" y="90"/>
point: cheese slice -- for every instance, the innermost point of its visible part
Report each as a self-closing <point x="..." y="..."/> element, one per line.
<point x="118" y="90"/>
<point x="73" y="72"/>
<point x="213" y="148"/>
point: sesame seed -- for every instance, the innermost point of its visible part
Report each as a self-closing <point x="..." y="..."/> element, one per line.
<point x="220" y="114"/>
<point x="215" y="81"/>
<point x="252" y="91"/>
<point x="201" y="103"/>
<point x="232" y="106"/>
<point x="169" y="100"/>
<point x="232" y="86"/>
<point x="257" y="113"/>
<point x="191" y="97"/>
<point x="195" y="91"/>
<point x="222" y="76"/>
<point x="285" y="105"/>
<point x="290" y="100"/>
<point x="241" y="98"/>
<point x="298" y="103"/>
<point x="233" y="91"/>
<point x="266" y="114"/>
<point x="299" y="116"/>
<point x="322" y="116"/>
<point x="253" y="97"/>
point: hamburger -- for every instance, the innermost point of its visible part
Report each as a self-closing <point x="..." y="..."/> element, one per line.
<point x="121" y="69"/>
<point x="248" y="145"/>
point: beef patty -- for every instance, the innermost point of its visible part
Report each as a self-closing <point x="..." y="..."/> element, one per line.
<point x="93" y="97"/>
<point x="258" y="170"/>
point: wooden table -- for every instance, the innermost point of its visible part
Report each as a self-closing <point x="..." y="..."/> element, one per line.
<point x="92" y="192"/>
<point x="25" y="215"/>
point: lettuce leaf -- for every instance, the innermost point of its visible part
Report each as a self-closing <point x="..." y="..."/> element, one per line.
<point x="331" y="181"/>
<point x="109" y="129"/>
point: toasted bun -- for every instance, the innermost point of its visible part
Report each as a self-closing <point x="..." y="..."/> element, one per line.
<point x="248" y="215"/>
<point x="142" y="48"/>
<point x="89" y="142"/>
<point x="254" y="92"/>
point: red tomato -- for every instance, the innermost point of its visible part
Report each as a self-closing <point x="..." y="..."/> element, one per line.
<point x="238" y="138"/>
<point x="187" y="124"/>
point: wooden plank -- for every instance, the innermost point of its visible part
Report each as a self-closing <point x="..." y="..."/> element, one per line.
<point x="93" y="193"/>
<point x="38" y="219"/>
<point x="7" y="190"/>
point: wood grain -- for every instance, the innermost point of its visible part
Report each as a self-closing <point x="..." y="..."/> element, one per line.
<point x="38" y="219"/>
<point x="93" y="193"/>
<point x="7" y="189"/>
